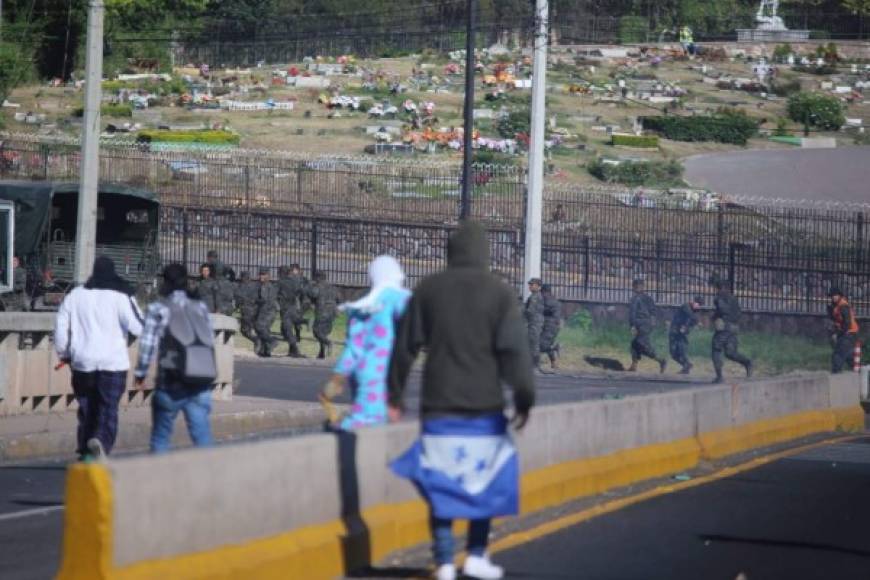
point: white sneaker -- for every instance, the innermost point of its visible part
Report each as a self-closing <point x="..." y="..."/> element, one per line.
<point x="482" y="568"/>
<point x="445" y="572"/>
<point x="95" y="446"/>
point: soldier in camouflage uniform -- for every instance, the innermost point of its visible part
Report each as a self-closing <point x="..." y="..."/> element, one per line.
<point x="534" y="315"/>
<point x="684" y="320"/>
<point x="267" y="302"/>
<point x="641" y="316"/>
<point x="246" y="299"/>
<point x="288" y="304"/>
<point x="726" y="318"/>
<point x="324" y="297"/>
<point x="207" y="287"/>
<point x="17" y="299"/>
<point x="552" y="324"/>
<point x="302" y="301"/>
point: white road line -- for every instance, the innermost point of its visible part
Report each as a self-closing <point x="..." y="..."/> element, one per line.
<point x="27" y="513"/>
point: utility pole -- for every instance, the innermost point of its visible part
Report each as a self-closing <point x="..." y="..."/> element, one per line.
<point x="467" y="143"/>
<point x="86" y="231"/>
<point x="535" y="197"/>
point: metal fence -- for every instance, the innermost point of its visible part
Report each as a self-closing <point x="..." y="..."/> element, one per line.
<point x="335" y="214"/>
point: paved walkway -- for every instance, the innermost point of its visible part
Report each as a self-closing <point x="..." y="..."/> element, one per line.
<point x="821" y="175"/>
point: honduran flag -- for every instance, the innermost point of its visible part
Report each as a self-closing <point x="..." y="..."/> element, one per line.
<point x="466" y="468"/>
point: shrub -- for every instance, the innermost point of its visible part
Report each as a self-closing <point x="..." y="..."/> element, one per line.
<point x="637" y="173"/>
<point x="726" y="126"/>
<point x="633" y="29"/>
<point x="15" y="68"/>
<point x="513" y="123"/>
<point x="205" y="136"/>
<point x="814" y="69"/>
<point x="785" y="88"/>
<point x="108" y="110"/>
<point x="782" y="52"/>
<point x="816" y="110"/>
<point x="638" y="141"/>
<point x="781" y="128"/>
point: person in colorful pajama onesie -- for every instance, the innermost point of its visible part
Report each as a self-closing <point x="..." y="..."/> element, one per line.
<point x="370" y="336"/>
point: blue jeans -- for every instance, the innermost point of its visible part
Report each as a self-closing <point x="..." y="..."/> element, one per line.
<point x="443" y="542"/>
<point x="165" y="406"/>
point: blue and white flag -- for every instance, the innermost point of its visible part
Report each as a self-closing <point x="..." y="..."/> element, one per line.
<point x="466" y="468"/>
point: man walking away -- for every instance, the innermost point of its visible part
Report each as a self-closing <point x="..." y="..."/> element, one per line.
<point x="685" y="319"/>
<point x="552" y="324"/>
<point x="324" y="296"/>
<point x="726" y="320"/>
<point x="845" y="331"/>
<point x="288" y="304"/>
<point x="534" y="315"/>
<point x="91" y="332"/>
<point x="179" y="329"/>
<point x="465" y="465"/>
<point x="641" y="316"/>
<point x="267" y="296"/>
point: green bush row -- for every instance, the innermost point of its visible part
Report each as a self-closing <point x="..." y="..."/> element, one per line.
<point x="109" y="110"/>
<point x="639" y="173"/>
<point x="205" y="136"/>
<point x="723" y="127"/>
<point x="639" y="141"/>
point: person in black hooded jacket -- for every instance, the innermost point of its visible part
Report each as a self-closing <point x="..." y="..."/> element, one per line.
<point x="469" y="322"/>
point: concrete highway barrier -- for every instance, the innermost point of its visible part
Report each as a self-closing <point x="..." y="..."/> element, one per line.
<point x="317" y="506"/>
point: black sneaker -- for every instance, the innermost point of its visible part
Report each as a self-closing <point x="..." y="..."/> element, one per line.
<point x="749" y="370"/>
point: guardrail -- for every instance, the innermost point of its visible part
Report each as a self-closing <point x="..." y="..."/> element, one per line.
<point x="31" y="383"/>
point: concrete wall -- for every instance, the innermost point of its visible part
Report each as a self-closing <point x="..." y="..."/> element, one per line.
<point x="29" y="382"/>
<point x="162" y="509"/>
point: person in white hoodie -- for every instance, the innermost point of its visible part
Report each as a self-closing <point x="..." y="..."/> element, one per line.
<point x="90" y="335"/>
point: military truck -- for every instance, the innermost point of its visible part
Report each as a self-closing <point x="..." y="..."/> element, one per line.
<point x="44" y="231"/>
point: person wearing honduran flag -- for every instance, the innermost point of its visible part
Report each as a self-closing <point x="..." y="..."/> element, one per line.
<point x="464" y="464"/>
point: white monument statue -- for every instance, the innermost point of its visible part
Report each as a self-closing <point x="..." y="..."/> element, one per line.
<point x="767" y="18"/>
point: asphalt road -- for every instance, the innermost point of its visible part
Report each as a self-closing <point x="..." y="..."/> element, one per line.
<point x="800" y="518"/>
<point x="279" y="379"/>
<point x="823" y="175"/>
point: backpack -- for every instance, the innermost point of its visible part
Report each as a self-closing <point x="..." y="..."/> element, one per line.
<point x="188" y="345"/>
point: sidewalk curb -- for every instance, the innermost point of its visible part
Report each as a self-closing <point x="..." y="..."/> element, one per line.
<point x="135" y="436"/>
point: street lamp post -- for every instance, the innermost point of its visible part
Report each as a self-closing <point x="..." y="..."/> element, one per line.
<point x="468" y="152"/>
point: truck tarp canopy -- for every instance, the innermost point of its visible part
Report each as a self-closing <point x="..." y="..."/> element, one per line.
<point x="33" y="206"/>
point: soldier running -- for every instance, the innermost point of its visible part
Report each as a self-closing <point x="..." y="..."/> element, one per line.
<point x="267" y="297"/>
<point x="288" y="304"/>
<point x="301" y="299"/>
<point x="246" y="299"/>
<point x="726" y="318"/>
<point x="685" y="319"/>
<point x="552" y="324"/>
<point x="641" y="315"/>
<point x="534" y="315"/>
<point x="845" y="328"/>
<point x="324" y="296"/>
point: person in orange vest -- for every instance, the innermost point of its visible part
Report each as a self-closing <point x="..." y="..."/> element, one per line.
<point x="845" y="330"/>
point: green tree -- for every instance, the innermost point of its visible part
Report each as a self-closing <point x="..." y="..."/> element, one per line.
<point x="14" y="69"/>
<point x="857" y="7"/>
<point x="817" y="111"/>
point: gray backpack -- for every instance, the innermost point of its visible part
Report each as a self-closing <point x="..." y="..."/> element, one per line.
<point x="188" y="346"/>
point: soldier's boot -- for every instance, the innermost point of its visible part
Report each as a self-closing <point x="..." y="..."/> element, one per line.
<point x="749" y="369"/>
<point x="553" y="358"/>
<point x="687" y="368"/>
<point x="663" y="365"/>
<point x="298" y="330"/>
<point x="322" y="353"/>
<point x="294" y="352"/>
<point x="719" y="379"/>
<point x="633" y="367"/>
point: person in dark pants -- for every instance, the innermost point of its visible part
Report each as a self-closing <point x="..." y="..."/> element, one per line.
<point x="207" y="288"/>
<point x="267" y="297"/>
<point x="246" y="299"/>
<point x="641" y="317"/>
<point x="845" y="328"/>
<point x="552" y="325"/>
<point x="685" y="319"/>
<point x="301" y="283"/>
<point x="173" y="395"/>
<point x="726" y="320"/>
<point x="289" y="288"/>
<point x="324" y="296"/>
<point x="533" y="312"/>
<point x="90" y="335"/>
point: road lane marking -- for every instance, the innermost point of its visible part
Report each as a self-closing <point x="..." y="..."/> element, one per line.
<point x="522" y="537"/>
<point x="28" y="513"/>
